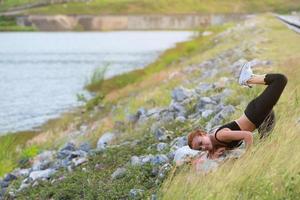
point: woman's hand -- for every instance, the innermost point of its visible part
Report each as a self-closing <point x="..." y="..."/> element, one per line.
<point x="217" y="153"/>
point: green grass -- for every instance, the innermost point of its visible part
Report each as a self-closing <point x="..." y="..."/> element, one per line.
<point x="96" y="183"/>
<point x="9" y="24"/>
<point x="168" y="7"/>
<point x="270" y="170"/>
<point x="12" y="150"/>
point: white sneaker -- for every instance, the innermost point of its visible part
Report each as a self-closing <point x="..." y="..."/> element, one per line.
<point x="245" y="74"/>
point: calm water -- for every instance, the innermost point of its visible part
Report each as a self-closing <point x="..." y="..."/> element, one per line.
<point x="41" y="73"/>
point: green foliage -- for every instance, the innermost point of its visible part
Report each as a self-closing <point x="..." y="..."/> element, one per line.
<point x="95" y="182"/>
<point x="8" y="23"/>
<point x="30" y="152"/>
<point x="167" y="7"/>
<point x="96" y="79"/>
<point x="94" y="101"/>
<point x="10" y="146"/>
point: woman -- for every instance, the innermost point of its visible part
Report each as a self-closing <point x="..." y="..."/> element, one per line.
<point x="232" y="134"/>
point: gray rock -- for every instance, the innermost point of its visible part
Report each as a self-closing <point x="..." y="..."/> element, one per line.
<point x="159" y="159"/>
<point x="135" y="160"/>
<point x="218" y="118"/>
<point x="183" y="154"/>
<point x="85" y="146"/>
<point x="161" y="146"/>
<point x="4" y="184"/>
<point x="70" y="146"/>
<point x="23" y="186"/>
<point x="221" y="96"/>
<point x="164" y="170"/>
<point x="105" y="140"/>
<point x="204" y="87"/>
<point x="79" y="161"/>
<point x="62" y="154"/>
<point x="206" y="103"/>
<point x="43" y="160"/>
<point x="178" y="142"/>
<point x="205" y="114"/>
<point x="136" y="193"/>
<point x="153" y="197"/>
<point x="180" y="93"/>
<point x="2" y="192"/>
<point x="161" y="135"/>
<point x="22" y="172"/>
<point x="9" y="177"/>
<point x="177" y="107"/>
<point x="119" y="173"/>
<point x="180" y="119"/>
<point x="41" y="174"/>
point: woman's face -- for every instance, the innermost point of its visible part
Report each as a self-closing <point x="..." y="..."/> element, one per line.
<point x="202" y="143"/>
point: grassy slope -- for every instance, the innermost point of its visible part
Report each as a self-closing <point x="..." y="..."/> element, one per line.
<point x="271" y="170"/>
<point x="162" y="6"/>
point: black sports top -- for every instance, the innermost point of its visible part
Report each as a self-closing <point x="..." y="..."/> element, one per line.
<point x="232" y="126"/>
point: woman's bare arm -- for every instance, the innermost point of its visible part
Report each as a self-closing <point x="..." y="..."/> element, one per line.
<point x="228" y="135"/>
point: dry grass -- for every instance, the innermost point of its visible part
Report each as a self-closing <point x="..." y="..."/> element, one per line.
<point x="271" y="169"/>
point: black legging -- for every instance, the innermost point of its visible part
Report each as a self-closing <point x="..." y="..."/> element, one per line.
<point x="259" y="108"/>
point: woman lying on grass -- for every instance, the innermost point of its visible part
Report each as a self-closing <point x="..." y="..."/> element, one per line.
<point x="232" y="134"/>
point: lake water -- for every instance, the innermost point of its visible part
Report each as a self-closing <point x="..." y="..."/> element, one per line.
<point x="41" y="73"/>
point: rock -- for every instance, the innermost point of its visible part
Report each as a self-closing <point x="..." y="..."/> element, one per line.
<point x="161" y="146"/>
<point x="62" y="154"/>
<point x="23" y="186"/>
<point x="4" y="184"/>
<point x="180" y="93"/>
<point x="204" y="87"/>
<point x="136" y="193"/>
<point x="2" y="192"/>
<point x="177" y="107"/>
<point x="178" y="142"/>
<point x="180" y="119"/>
<point x="153" y="159"/>
<point x="167" y="116"/>
<point x="164" y="170"/>
<point x="119" y="173"/>
<point x="209" y="73"/>
<point x="41" y="174"/>
<point x="153" y="197"/>
<point x="43" y="160"/>
<point x="105" y="140"/>
<point x="205" y="103"/>
<point x="9" y="177"/>
<point x="22" y="172"/>
<point x="70" y="146"/>
<point x="135" y="160"/>
<point x="205" y="114"/>
<point x="183" y="154"/>
<point x="161" y="135"/>
<point x="85" y="146"/>
<point x="219" y="97"/>
<point x="218" y="118"/>
<point x="159" y="159"/>
<point x="79" y="161"/>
